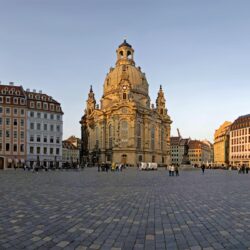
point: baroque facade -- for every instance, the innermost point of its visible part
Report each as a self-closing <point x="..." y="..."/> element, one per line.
<point x="239" y="145"/>
<point x="221" y="144"/>
<point x="125" y="127"/>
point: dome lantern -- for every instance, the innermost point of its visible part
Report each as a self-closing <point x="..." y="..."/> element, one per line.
<point x="125" y="54"/>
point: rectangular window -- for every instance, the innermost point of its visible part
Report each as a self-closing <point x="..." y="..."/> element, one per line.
<point x="15" y="100"/>
<point x="38" y="150"/>
<point x="7" y="99"/>
<point x="51" y="127"/>
<point x="38" y="104"/>
<point x="15" y="147"/>
<point x="7" y="110"/>
<point x="1" y="133"/>
<point x="31" y="150"/>
<point x="38" y="138"/>
<point x="31" y="114"/>
<point x="45" y="139"/>
<point x="57" y="140"/>
<point x="58" y="128"/>
<point x="15" y="122"/>
<point x="7" y="121"/>
<point x="51" y="139"/>
<point x="38" y="126"/>
<point x="58" y="151"/>
<point x="22" y="111"/>
<point x="52" y="107"/>
<point x="7" y="134"/>
<point x="38" y="115"/>
<point x="45" y="105"/>
<point x="15" y="111"/>
<point x="58" y="117"/>
<point x="22" y="101"/>
<point x="45" y="116"/>
<point x="32" y="126"/>
<point x="15" y="134"/>
<point x="1" y="146"/>
<point x="1" y="121"/>
<point x="22" y="122"/>
<point x="7" y="147"/>
<point x="22" y="134"/>
<point x="1" y="110"/>
<point x="44" y="150"/>
<point x="21" y="147"/>
<point x="51" y="116"/>
<point x="1" y="99"/>
<point x="31" y="138"/>
<point x="51" y="151"/>
<point x="45" y="127"/>
<point x="32" y="105"/>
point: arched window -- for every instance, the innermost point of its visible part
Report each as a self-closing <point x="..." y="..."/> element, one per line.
<point x="152" y="138"/>
<point x="110" y="136"/>
<point x="124" y="133"/>
<point x="129" y="54"/>
<point x="138" y="133"/>
<point x="162" y="138"/>
<point x="96" y="136"/>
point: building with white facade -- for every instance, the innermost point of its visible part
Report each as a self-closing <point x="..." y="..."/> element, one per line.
<point x="44" y="130"/>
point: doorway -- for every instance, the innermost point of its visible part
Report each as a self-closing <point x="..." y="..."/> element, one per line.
<point x="1" y="163"/>
<point x="124" y="159"/>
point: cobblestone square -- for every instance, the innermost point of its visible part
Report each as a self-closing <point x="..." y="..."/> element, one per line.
<point x="124" y="210"/>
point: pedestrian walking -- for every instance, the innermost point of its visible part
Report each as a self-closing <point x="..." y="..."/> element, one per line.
<point x="176" y="170"/>
<point x="203" y="168"/>
<point x="247" y="169"/>
<point x="172" y="170"/>
<point x="169" y="170"/>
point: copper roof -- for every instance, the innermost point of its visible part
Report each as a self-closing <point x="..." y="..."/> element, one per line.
<point x="241" y="122"/>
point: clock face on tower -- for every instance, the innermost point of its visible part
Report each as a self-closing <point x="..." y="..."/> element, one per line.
<point x="124" y="87"/>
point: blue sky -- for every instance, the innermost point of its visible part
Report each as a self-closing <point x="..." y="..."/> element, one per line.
<point x="198" y="50"/>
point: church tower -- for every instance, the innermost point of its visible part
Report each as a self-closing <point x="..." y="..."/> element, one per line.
<point x="161" y="102"/>
<point x="91" y="102"/>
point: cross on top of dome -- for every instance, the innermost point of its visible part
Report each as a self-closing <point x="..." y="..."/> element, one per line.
<point x="125" y="44"/>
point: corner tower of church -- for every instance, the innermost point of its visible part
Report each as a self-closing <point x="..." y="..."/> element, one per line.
<point x="125" y="128"/>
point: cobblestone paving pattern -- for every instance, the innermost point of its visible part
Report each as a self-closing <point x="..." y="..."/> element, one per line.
<point x="124" y="210"/>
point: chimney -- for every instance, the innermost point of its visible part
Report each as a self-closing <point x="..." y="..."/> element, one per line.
<point x="28" y="90"/>
<point x="11" y="83"/>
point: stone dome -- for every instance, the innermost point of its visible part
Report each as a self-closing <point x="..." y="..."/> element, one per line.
<point x="126" y="78"/>
<point x="126" y="73"/>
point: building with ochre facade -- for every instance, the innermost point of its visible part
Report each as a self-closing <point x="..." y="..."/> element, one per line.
<point x="125" y="128"/>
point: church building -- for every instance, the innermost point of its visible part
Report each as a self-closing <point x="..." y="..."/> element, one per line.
<point x="125" y="127"/>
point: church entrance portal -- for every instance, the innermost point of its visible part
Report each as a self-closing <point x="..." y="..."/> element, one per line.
<point x="124" y="159"/>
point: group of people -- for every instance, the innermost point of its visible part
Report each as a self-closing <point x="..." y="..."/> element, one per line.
<point x="243" y="169"/>
<point x="173" y="170"/>
<point x="105" y="167"/>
